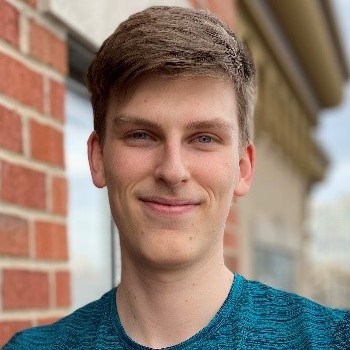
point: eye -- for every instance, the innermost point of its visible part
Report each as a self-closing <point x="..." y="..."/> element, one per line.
<point x="139" y="138"/>
<point x="205" y="142"/>
<point x="205" y="139"/>
<point x="139" y="135"/>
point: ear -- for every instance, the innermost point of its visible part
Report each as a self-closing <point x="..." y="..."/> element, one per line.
<point x="246" y="170"/>
<point x="95" y="155"/>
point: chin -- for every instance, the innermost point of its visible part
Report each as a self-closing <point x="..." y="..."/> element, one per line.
<point x="173" y="258"/>
<point x="170" y="264"/>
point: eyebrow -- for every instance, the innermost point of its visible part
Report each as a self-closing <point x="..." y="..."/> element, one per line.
<point x="121" y="119"/>
<point x="215" y="123"/>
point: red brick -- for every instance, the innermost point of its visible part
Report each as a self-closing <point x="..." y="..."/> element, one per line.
<point x="59" y="195"/>
<point x="62" y="289"/>
<point x="226" y="10"/>
<point x="57" y="94"/>
<point x="58" y="54"/>
<point x="9" y="23"/>
<point x="51" y="241"/>
<point x="24" y="289"/>
<point x="9" y="328"/>
<point x="47" y="47"/>
<point x="47" y="320"/>
<point x="10" y="130"/>
<point x="231" y="240"/>
<point x="231" y="263"/>
<point x="14" y="238"/>
<point x="32" y="3"/>
<point x="23" y="186"/>
<point x="21" y="83"/>
<point x="32" y="89"/>
<point x="46" y="144"/>
<point x="39" y="42"/>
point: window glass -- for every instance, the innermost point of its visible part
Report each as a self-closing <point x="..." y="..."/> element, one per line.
<point x="274" y="267"/>
<point x="89" y="219"/>
<point x="274" y="252"/>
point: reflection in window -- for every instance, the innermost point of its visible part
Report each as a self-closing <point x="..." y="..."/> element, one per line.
<point x="274" y="267"/>
<point x="274" y="253"/>
<point x="89" y="219"/>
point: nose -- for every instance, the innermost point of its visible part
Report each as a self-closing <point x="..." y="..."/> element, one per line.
<point x="171" y="167"/>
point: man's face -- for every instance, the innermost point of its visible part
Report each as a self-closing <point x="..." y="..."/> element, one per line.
<point x="171" y="163"/>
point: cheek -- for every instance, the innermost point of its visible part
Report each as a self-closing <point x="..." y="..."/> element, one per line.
<point x="232" y="173"/>
<point x="120" y="176"/>
<point x="219" y="177"/>
<point x="122" y="169"/>
<point x="228" y="180"/>
<point x="116" y="169"/>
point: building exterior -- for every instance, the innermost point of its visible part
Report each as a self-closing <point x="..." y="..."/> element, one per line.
<point x="329" y="258"/>
<point x="58" y="248"/>
<point x="293" y="62"/>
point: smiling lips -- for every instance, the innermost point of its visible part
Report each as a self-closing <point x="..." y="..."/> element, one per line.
<point x="169" y="206"/>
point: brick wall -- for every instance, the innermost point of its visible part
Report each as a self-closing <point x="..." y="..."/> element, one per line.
<point x="34" y="276"/>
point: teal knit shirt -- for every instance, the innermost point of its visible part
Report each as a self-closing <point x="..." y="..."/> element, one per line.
<point x="254" y="316"/>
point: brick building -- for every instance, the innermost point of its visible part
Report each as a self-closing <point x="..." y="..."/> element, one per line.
<point x="33" y="189"/>
<point x="56" y="250"/>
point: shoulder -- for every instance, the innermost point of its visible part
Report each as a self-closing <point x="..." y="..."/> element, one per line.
<point x="287" y="304"/>
<point x="279" y="316"/>
<point x="81" y="325"/>
<point x="342" y="333"/>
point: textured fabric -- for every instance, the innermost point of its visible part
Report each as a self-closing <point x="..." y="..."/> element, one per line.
<point x="254" y="316"/>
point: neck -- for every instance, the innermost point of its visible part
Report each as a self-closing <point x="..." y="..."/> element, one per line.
<point x="163" y="308"/>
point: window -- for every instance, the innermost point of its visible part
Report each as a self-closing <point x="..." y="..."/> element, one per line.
<point x="274" y="252"/>
<point x="93" y="240"/>
<point x="274" y="267"/>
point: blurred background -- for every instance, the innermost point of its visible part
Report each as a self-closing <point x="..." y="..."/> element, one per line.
<point x="58" y="246"/>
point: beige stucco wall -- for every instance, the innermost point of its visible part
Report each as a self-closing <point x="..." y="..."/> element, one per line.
<point x="272" y="213"/>
<point x="287" y="161"/>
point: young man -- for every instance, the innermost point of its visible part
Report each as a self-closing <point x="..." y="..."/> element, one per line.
<point x="172" y="91"/>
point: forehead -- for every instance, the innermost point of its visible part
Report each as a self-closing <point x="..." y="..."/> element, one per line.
<point x="177" y="99"/>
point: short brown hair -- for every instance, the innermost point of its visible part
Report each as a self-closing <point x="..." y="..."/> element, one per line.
<point x="171" y="41"/>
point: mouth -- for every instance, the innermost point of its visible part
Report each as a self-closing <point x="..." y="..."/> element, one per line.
<point x="169" y="206"/>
